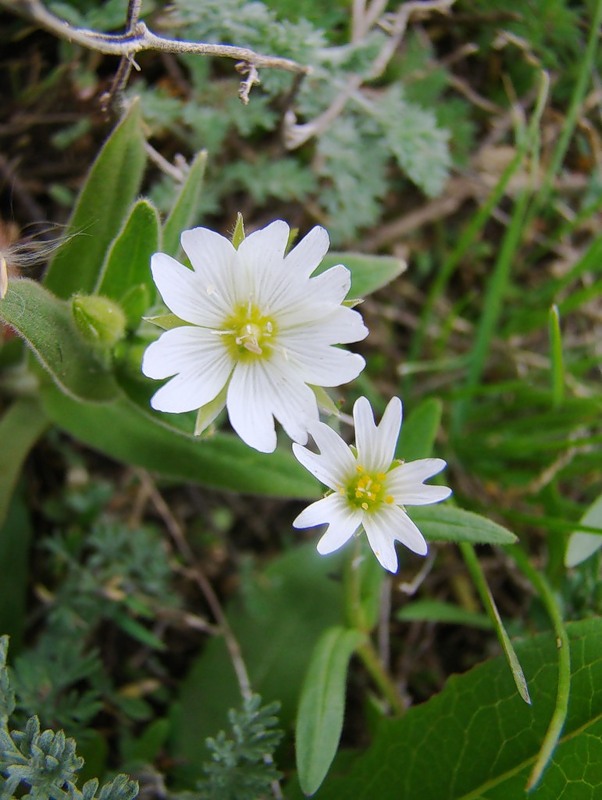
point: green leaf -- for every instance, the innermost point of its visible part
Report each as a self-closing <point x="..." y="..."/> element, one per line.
<point x="445" y="523"/>
<point x="186" y="207"/>
<point x="277" y="620"/>
<point x="477" y="740"/>
<point x="126" y="432"/>
<point x="105" y="198"/>
<point x="322" y="705"/>
<point x="47" y="325"/>
<point x="368" y="273"/>
<point x="127" y="265"/>
<point x="583" y="545"/>
<point x="21" y="426"/>
<point x="438" y="611"/>
<point x="418" y="432"/>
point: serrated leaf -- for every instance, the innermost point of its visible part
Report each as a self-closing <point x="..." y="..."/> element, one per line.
<point x="483" y="739"/>
<point x="46" y="324"/>
<point x="124" y="431"/>
<point x="368" y="272"/>
<point x="583" y="545"/>
<point x="419" y="145"/>
<point x="322" y="705"/>
<point x="127" y="266"/>
<point x="103" y="203"/>
<point x="445" y="523"/>
<point x="185" y="210"/>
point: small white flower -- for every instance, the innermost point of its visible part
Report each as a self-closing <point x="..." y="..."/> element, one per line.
<point x="369" y="488"/>
<point x="261" y="331"/>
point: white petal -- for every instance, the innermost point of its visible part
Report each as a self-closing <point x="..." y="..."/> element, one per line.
<point x="341" y="460"/>
<point x="309" y="252"/>
<point x="184" y="349"/>
<point x="405" y="482"/>
<point x="319" y="466"/>
<point x="381" y="541"/>
<point x="342" y="521"/>
<point x="385" y="526"/>
<point x="250" y="407"/>
<point x="293" y="403"/>
<point x="188" y="392"/>
<point x="376" y="445"/>
<point x="405" y="531"/>
<point x="215" y="263"/>
<point x="318" y="513"/>
<point x="183" y="293"/>
<point x="331" y="286"/>
<point x="334" y="325"/>
<point x="322" y="366"/>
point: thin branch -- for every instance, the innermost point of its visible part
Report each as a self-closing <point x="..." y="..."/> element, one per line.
<point x="140" y="38"/>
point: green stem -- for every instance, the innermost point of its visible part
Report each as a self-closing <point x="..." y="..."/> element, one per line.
<point x="564" y="662"/>
<point x="357" y="619"/>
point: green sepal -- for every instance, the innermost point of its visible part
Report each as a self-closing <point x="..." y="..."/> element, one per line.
<point x="210" y="411"/>
<point x="166" y="321"/>
<point x="238" y="235"/>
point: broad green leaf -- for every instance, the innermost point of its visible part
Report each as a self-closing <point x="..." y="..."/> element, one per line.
<point x="277" y="619"/>
<point x="446" y="523"/>
<point x="322" y="705"/>
<point x="418" y="432"/>
<point x="103" y="203"/>
<point x="368" y="273"/>
<point x="127" y="265"/>
<point x="15" y="540"/>
<point x="126" y="432"/>
<point x="438" y="611"/>
<point x="583" y="545"/>
<point x="47" y="325"/>
<point x="185" y="210"/>
<point x="477" y="740"/>
<point x="21" y="426"/>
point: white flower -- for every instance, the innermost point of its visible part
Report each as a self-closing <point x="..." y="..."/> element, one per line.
<point x="369" y="488"/>
<point x="261" y="331"/>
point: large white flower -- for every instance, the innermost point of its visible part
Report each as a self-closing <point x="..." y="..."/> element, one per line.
<point x="261" y="331"/>
<point x="369" y="487"/>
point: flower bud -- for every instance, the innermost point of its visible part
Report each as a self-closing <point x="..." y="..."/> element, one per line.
<point x="99" y="319"/>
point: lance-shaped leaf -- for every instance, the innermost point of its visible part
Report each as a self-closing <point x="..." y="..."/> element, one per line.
<point x="46" y="324"/>
<point x="101" y="208"/>
<point x="186" y="208"/>
<point x="322" y="705"/>
<point x="445" y="523"/>
<point x="126" y="275"/>
<point x="126" y="432"/>
<point x="368" y="272"/>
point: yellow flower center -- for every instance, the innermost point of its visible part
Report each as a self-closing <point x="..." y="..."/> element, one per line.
<point x="248" y="333"/>
<point x="367" y="490"/>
